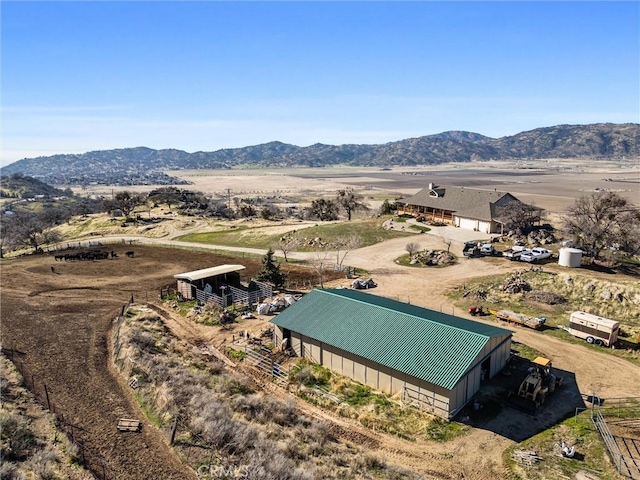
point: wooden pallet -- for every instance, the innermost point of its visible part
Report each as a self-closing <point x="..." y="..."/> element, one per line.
<point x="129" y="425"/>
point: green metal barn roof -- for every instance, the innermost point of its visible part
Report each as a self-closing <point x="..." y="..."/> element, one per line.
<point x="433" y="346"/>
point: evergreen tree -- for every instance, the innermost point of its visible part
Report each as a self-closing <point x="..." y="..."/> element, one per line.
<point x="270" y="271"/>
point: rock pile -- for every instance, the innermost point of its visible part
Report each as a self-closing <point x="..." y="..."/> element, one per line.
<point x="516" y="284"/>
<point x="432" y="257"/>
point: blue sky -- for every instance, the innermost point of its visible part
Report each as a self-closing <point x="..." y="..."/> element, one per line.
<point x="205" y="75"/>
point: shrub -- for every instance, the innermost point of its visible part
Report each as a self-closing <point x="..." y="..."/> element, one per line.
<point x="142" y="340"/>
<point x="42" y="464"/>
<point x="7" y="470"/>
<point x="17" y="436"/>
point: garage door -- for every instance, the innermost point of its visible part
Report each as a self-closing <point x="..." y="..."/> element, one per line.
<point x="484" y="227"/>
<point x="467" y="223"/>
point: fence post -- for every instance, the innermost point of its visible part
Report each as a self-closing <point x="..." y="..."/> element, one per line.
<point x="46" y="393"/>
<point x="174" y="427"/>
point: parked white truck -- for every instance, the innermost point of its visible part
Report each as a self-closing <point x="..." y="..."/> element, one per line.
<point x="535" y="254"/>
<point x="593" y="329"/>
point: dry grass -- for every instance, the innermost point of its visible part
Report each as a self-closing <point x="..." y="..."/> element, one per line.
<point x="229" y="417"/>
<point x="618" y="300"/>
<point x="31" y="446"/>
<point x="373" y="409"/>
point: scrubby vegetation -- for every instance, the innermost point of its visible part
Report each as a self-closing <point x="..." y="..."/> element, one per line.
<point x="555" y="295"/>
<point x="371" y="408"/>
<point x="31" y="446"/>
<point x="223" y="419"/>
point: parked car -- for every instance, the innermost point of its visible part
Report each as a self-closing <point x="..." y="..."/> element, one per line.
<point x="535" y="254"/>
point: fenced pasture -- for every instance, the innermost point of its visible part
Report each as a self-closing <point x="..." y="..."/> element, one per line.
<point x="618" y="421"/>
<point x="59" y="322"/>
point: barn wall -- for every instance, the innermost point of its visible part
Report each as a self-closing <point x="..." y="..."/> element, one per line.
<point x="184" y="288"/>
<point x="311" y="349"/>
<point x="382" y="378"/>
<point x="436" y="399"/>
<point x="296" y="344"/>
<point x="278" y="336"/>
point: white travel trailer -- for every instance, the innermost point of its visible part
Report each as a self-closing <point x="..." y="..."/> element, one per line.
<point x="593" y="329"/>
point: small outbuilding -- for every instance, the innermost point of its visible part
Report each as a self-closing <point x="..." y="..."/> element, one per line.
<point x="432" y="359"/>
<point x="213" y="280"/>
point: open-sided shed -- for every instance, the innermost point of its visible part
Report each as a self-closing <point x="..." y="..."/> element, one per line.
<point x="209" y="280"/>
<point x="430" y="358"/>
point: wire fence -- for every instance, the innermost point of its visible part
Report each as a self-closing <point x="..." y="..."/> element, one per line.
<point x="622" y="414"/>
<point x="91" y="458"/>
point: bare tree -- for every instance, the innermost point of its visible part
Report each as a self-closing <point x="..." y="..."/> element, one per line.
<point x="344" y="245"/>
<point x="447" y="242"/>
<point x="287" y="243"/>
<point x="412" y="248"/>
<point x="351" y="201"/>
<point x="27" y="228"/>
<point x="321" y="259"/>
<point x="519" y="216"/>
<point x="604" y="220"/>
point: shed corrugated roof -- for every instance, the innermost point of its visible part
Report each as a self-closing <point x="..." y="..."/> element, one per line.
<point x="208" y="272"/>
<point x="433" y="346"/>
<point x="465" y="202"/>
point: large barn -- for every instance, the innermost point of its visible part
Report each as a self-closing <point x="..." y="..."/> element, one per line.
<point x="430" y="358"/>
<point x="463" y="207"/>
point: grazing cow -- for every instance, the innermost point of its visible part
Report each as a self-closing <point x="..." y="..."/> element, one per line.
<point x="114" y="254"/>
<point x="59" y="257"/>
<point x="130" y="253"/>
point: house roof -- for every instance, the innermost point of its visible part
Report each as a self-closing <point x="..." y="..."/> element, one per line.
<point x="436" y="347"/>
<point x="208" y="272"/>
<point x="464" y="202"/>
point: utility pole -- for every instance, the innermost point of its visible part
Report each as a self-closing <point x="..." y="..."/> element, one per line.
<point x="229" y="198"/>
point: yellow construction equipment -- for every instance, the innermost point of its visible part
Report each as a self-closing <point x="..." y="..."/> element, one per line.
<point x="538" y="384"/>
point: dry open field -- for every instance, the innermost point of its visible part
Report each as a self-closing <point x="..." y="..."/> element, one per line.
<point x="551" y="184"/>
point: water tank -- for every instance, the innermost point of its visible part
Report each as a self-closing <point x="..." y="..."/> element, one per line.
<point x="570" y="257"/>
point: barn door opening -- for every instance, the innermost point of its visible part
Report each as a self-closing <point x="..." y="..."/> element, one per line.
<point x="485" y="370"/>
<point x="286" y="338"/>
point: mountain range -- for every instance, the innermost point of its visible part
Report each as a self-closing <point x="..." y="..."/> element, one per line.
<point x="141" y="165"/>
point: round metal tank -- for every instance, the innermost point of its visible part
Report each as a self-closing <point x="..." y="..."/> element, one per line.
<point x="570" y="257"/>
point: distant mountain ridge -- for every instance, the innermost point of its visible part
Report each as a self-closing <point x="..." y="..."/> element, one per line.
<point x="143" y="165"/>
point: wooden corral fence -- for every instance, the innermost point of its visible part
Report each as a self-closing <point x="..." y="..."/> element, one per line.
<point x="624" y="451"/>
